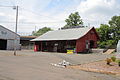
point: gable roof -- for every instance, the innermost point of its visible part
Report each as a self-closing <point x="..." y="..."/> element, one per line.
<point x="9" y="30"/>
<point x="66" y="34"/>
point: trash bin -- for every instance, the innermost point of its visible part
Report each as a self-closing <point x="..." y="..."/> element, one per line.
<point x="36" y="48"/>
<point x="70" y="51"/>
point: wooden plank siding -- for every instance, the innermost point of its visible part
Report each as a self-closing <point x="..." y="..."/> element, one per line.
<point x="84" y="43"/>
<point x="81" y="43"/>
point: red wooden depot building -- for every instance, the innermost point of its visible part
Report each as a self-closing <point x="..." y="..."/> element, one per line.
<point x="79" y="39"/>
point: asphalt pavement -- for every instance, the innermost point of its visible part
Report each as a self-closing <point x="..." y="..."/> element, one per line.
<point x="30" y="65"/>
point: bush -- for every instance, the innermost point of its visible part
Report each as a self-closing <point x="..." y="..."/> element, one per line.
<point x="113" y="58"/>
<point x="101" y="44"/>
<point x="108" y="60"/>
<point x="106" y="44"/>
<point x="118" y="62"/>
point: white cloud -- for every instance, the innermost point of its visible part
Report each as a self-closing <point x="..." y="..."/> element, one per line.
<point x="34" y="11"/>
<point x="2" y="14"/>
<point x="96" y="12"/>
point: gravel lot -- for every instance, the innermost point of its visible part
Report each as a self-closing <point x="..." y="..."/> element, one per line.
<point x="29" y="65"/>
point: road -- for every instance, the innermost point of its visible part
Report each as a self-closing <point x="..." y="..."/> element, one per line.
<point x="29" y="65"/>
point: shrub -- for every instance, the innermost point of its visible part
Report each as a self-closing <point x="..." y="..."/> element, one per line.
<point x="118" y="62"/>
<point x="113" y="58"/>
<point x="108" y="60"/>
<point x="106" y="44"/>
<point x="101" y="44"/>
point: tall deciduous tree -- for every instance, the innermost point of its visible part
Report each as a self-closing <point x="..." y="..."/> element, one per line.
<point x="115" y="27"/>
<point x="104" y="32"/>
<point x="74" y="19"/>
<point x="42" y="31"/>
<point x="109" y="34"/>
<point x="105" y="36"/>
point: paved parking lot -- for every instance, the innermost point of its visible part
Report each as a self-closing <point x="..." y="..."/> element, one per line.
<point x="29" y="65"/>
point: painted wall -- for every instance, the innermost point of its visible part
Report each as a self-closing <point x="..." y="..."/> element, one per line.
<point x="81" y="43"/>
<point x="8" y="35"/>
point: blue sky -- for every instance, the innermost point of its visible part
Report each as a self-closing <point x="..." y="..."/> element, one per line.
<point x="52" y="13"/>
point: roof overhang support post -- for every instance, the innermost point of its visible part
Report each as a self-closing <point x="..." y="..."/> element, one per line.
<point x="66" y="45"/>
<point x="76" y="46"/>
<point x="41" y="45"/>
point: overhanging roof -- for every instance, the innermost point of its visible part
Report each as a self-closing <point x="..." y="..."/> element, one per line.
<point x="66" y="34"/>
<point x="27" y="37"/>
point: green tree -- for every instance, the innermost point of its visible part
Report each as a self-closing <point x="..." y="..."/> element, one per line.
<point x="105" y="36"/>
<point x="104" y="32"/>
<point x="41" y="31"/>
<point x="115" y="28"/>
<point x="74" y="19"/>
<point x="109" y="34"/>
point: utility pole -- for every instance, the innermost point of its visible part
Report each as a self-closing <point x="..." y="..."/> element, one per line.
<point x="15" y="40"/>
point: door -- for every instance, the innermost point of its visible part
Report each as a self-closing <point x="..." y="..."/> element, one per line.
<point x="55" y="47"/>
<point x="3" y="44"/>
<point x="91" y="44"/>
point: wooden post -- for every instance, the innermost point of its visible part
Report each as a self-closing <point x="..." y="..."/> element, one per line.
<point x="66" y="43"/>
<point x="41" y="46"/>
<point x="46" y="46"/>
<point x="76" y="46"/>
<point x="66" y="46"/>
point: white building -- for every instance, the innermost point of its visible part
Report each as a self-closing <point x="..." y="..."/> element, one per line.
<point x="8" y="38"/>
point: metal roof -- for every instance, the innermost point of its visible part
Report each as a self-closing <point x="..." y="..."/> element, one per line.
<point x="66" y="34"/>
<point x="27" y="37"/>
<point x="9" y="30"/>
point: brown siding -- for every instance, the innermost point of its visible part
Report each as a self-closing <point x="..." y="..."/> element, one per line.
<point x="81" y="43"/>
<point x="62" y="47"/>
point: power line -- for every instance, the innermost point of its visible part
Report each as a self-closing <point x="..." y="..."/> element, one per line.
<point x="39" y="14"/>
<point x="6" y="6"/>
<point x="30" y="22"/>
<point x="12" y="2"/>
<point x="34" y="14"/>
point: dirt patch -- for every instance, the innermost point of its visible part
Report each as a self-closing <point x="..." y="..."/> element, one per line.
<point x="99" y="66"/>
